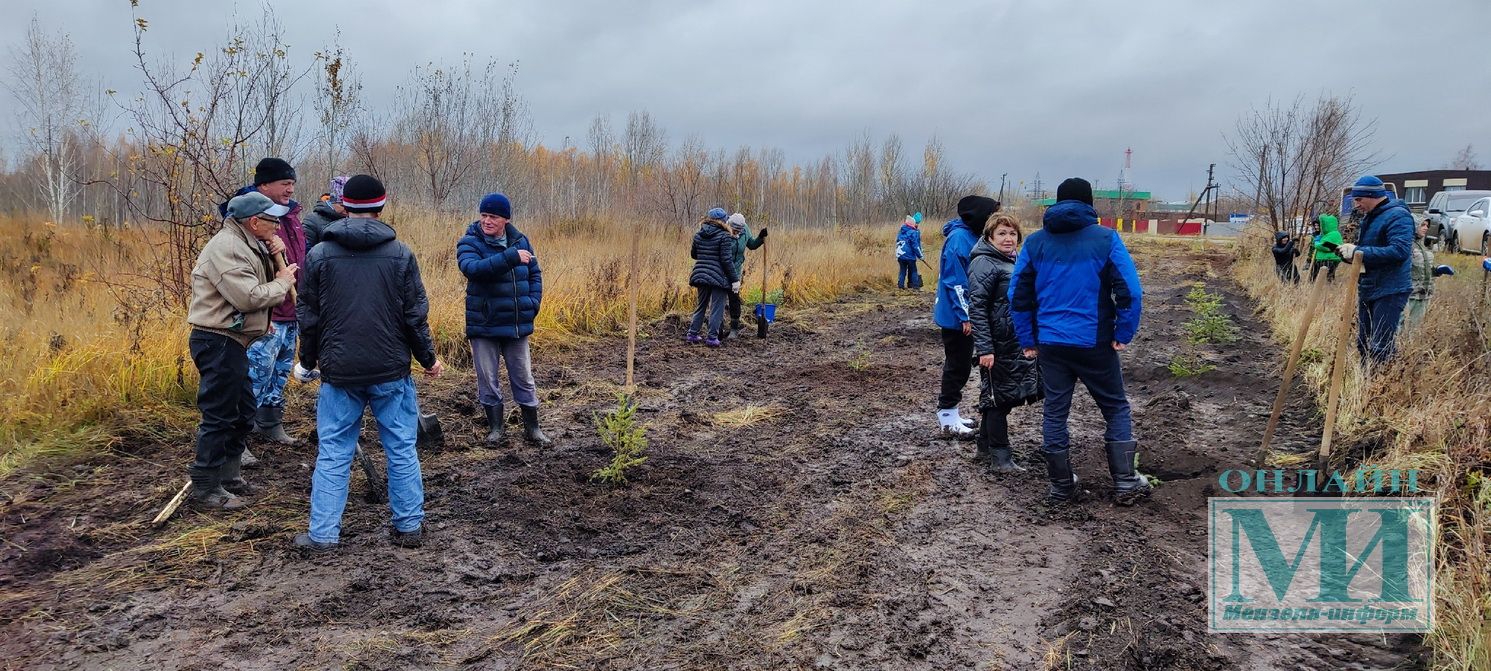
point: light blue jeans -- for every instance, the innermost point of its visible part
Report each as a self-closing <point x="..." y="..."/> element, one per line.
<point x="338" y="420"/>
<point x="270" y="359"/>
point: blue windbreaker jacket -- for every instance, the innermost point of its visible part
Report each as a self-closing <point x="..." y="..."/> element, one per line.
<point x="951" y="307"/>
<point x="1074" y="283"/>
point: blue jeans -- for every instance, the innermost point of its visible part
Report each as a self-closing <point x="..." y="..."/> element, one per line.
<point x="270" y="360"/>
<point x="1098" y="369"/>
<point x="338" y="420"/>
<point x="906" y="273"/>
<point x="1377" y="327"/>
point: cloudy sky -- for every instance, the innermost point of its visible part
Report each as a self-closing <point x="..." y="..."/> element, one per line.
<point x="1055" y="87"/>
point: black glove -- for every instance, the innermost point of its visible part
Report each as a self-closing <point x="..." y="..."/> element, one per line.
<point x="761" y="235"/>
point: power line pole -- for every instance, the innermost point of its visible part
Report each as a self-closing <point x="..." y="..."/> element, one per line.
<point x="1001" y="186"/>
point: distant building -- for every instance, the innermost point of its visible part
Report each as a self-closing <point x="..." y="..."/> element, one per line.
<point x="1112" y="203"/>
<point x="1416" y="188"/>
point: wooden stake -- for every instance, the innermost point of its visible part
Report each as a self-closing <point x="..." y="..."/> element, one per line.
<point x="1338" y="368"/>
<point x="631" y="313"/>
<point x="1316" y="291"/>
<point x="170" y="509"/>
<point x="280" y="262"/>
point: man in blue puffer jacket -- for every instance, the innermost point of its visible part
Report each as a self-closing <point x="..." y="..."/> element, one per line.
<point x="1075" y="300"/>
<point x="1386" y="247"/>
<point x="504" y="289"/>
<point x="950" y="311"/>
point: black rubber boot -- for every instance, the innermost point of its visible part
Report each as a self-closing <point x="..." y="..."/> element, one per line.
<point x="1128" y="486"/>
<point x="1001" y="460"/>
<point x="530" y="426"/>
<point x="496" y="425"/>
<point x="231" y="477"/>
<point x="268" y="423"/>
<point x="1064" y="487"/>
<point x="980" y="449"/>
<point x="207" y="494"/>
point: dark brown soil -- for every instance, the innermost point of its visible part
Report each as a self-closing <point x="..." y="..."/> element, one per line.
<point x="834" y="531"/>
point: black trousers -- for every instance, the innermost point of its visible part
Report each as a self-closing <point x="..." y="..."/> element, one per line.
<point x="1099" y="370"/>
<point x="225" y="398"/>
<point x="957" y="365"/>
<point x="735" y="310"/>
<point x="1330" y="272"/>
<point x="994" y="428"/>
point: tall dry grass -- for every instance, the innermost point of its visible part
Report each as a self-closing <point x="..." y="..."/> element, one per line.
<point x="1429" y="409"/>
<point x="80" y="372"/>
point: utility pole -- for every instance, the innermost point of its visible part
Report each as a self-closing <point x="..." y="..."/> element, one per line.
<point x="1035" y="189"/>
<point x="1001" y="186"/>
<point x="1205" y="193"/>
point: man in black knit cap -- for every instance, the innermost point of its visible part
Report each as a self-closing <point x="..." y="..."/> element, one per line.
<point x="1075" y="300"/>
<point x="364" y="315"/>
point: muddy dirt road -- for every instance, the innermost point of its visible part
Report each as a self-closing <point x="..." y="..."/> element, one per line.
<point x="797" y="512"/>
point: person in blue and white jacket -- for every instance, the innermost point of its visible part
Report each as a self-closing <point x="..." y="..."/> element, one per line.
<point x="950" y="311"/>
<point x="908" y="252"/>
<point x="1075" y="300"/>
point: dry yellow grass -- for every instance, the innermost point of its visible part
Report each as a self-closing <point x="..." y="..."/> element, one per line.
<point x="80" y="370"/>
<point x="1430" y="410"/>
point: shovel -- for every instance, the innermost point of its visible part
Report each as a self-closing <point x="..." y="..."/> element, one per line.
<point x="765" y="312"/>
<point x="429" y="434"/>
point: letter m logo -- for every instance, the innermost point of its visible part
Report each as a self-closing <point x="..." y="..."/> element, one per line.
<point x="1290" y="554"/>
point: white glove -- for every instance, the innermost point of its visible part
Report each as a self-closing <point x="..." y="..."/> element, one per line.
<point x="302" y="375"/>
<point x="1346" y="251"/>
<point x="735" y="287"/>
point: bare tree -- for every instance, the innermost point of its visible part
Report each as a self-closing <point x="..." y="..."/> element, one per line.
<point x="1465" y="160"/>
<point x="44" y="81"/>
<point x="451" y="116"/>
<point x="188" y="138"/>
<point x="1297" y="157"/>
<point x="338" y="102"/>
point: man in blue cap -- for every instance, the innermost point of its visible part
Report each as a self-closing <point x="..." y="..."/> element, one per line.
<point x="1384" y="247"/>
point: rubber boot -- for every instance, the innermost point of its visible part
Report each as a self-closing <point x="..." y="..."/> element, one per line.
<point x="1129" y="487"/>
<point x="268" y="422"/>
<point x="980" y="449"/>
<point x="1064" y="487"/>
<point x="247" y="459"/>
<point x="207" y="494"/>
<point x="231" y="477"/>
<point x="952" y="426"/>
<point x="496" y="425"/>
<point x="1001" y="460"/>
<point x="530" y="426"/>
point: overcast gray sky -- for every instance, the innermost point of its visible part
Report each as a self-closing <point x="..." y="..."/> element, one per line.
<point x="1056" y="87"/>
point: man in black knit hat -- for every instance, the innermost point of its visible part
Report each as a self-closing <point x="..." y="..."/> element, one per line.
<point x="1075" y="299"/>
<point x="364" y="316"/>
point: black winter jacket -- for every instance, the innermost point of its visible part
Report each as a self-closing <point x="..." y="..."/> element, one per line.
<point x="362" y="307"/>
<point x="316" y="222"/>
<point x="1014" y="380"/>
<point x="714" y="256"/>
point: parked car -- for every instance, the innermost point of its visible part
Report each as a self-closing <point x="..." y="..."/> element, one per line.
<point x="1443" y="209"/>
<point x="1472" y="231"/>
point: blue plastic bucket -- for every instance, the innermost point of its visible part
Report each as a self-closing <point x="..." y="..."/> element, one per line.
<point x="767" y="311"/>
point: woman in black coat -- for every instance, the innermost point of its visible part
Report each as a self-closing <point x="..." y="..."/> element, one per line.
<point x="714" y="275"/>
<point x="1006" y="378"/>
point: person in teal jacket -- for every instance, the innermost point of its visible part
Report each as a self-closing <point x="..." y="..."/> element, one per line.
<point x="743" y="241"/>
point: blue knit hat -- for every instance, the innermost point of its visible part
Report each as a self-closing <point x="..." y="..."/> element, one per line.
<point x="917" y="217"/>
<point x="496" y="203"/>
<point x="1368" y="187"/>
<point x="717" y="213"/>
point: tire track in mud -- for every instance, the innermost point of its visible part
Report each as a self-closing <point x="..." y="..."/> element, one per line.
<point x="833" y="531"/>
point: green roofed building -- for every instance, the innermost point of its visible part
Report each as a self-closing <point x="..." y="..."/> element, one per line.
<point x="1112" y="203"/>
